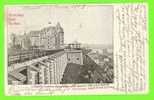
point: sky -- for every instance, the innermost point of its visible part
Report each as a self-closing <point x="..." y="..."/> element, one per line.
<point x="88" y="24"/>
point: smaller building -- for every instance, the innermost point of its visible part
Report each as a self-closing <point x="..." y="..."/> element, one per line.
<point x="74" y="53"/>
<point x="74" y="56"/>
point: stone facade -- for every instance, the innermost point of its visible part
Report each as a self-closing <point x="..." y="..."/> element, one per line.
<point x="48" y="38"/>
<point x="45" y="70"/>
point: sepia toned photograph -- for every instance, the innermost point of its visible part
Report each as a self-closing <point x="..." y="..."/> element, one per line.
<point x="76" y="49"/>
<point x="59" y="44"/>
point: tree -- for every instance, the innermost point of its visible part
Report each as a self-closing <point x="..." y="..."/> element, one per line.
<point x="13" y="38"/>
<point x="27" y="42"/>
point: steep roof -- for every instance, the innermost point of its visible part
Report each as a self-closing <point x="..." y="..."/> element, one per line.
<point x="52" y="29"/>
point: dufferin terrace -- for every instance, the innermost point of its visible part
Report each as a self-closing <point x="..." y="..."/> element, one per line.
<point x="41" y="57"/>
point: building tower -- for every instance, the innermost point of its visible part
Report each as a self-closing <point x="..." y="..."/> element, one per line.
<point x="59" y="36"/>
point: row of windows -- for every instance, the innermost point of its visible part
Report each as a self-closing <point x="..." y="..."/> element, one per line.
<point x="70" y="59"/>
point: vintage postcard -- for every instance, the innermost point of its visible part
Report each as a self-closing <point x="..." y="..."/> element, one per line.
<point x="76" y="49"/>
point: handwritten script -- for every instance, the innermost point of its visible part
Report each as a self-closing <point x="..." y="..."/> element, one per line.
<point x="131" y="48"/>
